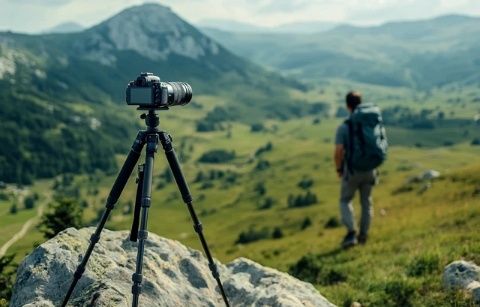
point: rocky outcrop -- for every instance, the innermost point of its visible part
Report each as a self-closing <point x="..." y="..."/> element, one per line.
<point x="463" y="275"/>
<point x="174" y="275"/>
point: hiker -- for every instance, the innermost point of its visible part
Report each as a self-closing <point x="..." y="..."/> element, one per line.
<point x="360" y="147"/>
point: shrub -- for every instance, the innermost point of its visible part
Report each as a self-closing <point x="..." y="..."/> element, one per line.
<point x="7" y="273"/>
<point x="302" y="200"/>
<point x="310" y="269"/>
<point x="307" y="222"/>
<point x="475" y="142"/>
<point x="277" y="233"/>
<point x="400" y="293"/>
<point x="29" y="202"/>
<point x="423" y="265"/>
<point x="332" y="222"/>
<point x="305" y="183"/>
<point x="267" y="203"/>
<point x="257" y="127"/>
<point x="13" y="209"/>
<point x="260" y="189"/>
<point x="262" y="165"/>
<point x="203" y="126"/>
<point x="252" y="235"/>
<point x="217" y="156"/>
<point x="268" y="147"/>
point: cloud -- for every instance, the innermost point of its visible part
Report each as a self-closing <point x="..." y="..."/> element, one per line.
<point x="43" y="14"/>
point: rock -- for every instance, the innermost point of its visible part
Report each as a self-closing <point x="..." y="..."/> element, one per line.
<point x="174" y="275"/>
<point x="430" y="174"/>
<point x="463" y="275"/>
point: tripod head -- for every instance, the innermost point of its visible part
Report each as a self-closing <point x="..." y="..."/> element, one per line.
<point x="152" y="120"/>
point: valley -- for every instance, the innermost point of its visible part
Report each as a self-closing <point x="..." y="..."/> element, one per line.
<point x="256" y="146"/>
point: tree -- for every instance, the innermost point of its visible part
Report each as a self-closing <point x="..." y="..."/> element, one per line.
<point x="14" y="208"/>
<point x="29" y="202"/>
<point x="7" y="272"/>
<point x="62" y="214"/>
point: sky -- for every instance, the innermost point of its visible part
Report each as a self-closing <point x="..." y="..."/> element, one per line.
<point x="33" y="16"/>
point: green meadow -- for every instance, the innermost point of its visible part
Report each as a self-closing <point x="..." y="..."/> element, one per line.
<point x="243" y="199"/>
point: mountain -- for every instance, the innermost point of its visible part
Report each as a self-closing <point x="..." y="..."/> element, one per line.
<point x="421" y="54"/>
<point x="66" y="27"/>
<point x="69" y="86"/>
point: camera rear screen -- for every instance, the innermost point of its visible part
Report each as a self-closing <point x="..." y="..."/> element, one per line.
<point x="141" y="95"/>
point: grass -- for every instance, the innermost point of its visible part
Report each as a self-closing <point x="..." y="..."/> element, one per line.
<point x="414" y="235"/>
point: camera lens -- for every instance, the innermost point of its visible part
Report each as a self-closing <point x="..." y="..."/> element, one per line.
<point x="179" y="93"/>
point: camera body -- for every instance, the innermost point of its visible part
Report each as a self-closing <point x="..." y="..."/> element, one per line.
<point x="148" y="92"/>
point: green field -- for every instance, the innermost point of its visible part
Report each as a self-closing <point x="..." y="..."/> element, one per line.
<point x="438" y="224"/>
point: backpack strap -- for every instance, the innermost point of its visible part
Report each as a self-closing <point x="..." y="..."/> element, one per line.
<point x="349" y="154"/>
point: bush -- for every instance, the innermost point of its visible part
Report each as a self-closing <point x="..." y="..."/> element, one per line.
<point x="217" y="156"/>
<point x="332" y="223"/>
<point x="423" y="265"/>
<point x="7" y="273"/>
<point x="62" y="214"/>
<point x="13" y="209"/>
<point x="262" y="165"/>
<point x="268" y="147"/>
<point x="304" y="200"/>
<point x="267" y="203"/>
<point x="305" y="183"/>
<point x="475" y="142"/>
<point x="310" y="269"/>
<point x="399" y="293"/>
<point x="29" y="202"/>
<point x="307" y="222"/>
<point x="257" y="127"/>
<point x="252" y="235"/>
<point x="277" y="233"/>
<point x="317" y="121"/>
<point x="260" y="189"/>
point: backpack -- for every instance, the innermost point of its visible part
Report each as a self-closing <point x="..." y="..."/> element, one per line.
<point x="368" y="139"/>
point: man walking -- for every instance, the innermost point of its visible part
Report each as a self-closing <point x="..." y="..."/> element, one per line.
<point x="360" y="147"/>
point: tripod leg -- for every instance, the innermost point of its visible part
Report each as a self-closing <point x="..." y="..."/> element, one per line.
<point x="138" y="204"/>
<point x="152" y="142"/>
<point x="166" y="141"/>
<point x="112" y="199"/>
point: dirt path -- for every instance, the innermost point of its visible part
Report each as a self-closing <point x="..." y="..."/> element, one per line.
<point x="25" y="228"/>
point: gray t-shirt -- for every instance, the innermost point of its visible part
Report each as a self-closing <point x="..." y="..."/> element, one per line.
<point x="342" y="136"/>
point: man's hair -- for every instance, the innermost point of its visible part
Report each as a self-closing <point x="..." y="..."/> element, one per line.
<point x="353" y="99"/>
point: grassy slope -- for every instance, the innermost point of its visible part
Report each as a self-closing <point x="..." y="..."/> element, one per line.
<point x="412" y="225"/>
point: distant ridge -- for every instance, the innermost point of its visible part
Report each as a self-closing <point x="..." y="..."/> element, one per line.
<point x="65" y="27"/>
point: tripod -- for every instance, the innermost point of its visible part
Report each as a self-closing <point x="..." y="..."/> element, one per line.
<point x="149" y="137"/>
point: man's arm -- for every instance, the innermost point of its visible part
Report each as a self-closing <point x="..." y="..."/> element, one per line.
<point x="338" y="158"/>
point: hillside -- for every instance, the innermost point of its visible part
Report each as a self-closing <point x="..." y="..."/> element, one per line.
<point x="70" y="87"/>
<point x="420" y="54"/>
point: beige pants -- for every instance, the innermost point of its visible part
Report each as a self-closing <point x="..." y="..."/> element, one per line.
<point x="363" y="182"/>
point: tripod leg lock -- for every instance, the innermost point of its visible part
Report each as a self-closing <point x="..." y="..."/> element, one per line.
<point x="136" y="289"/>
<point x="137" y="283"/>
<point x="143" y="234"/>
<point x="146" y="202"/>
<point x="198" y="227"/>
<point x="137" y="278"/>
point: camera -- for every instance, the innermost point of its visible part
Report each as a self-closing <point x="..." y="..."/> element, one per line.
<point x="148" y="92"/>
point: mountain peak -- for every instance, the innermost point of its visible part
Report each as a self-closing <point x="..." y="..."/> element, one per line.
<point x="152" y="30"/>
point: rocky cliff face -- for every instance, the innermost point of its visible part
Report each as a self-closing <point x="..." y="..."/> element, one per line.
<point x="174" y="275"/>
<point x="151" y="30"/>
